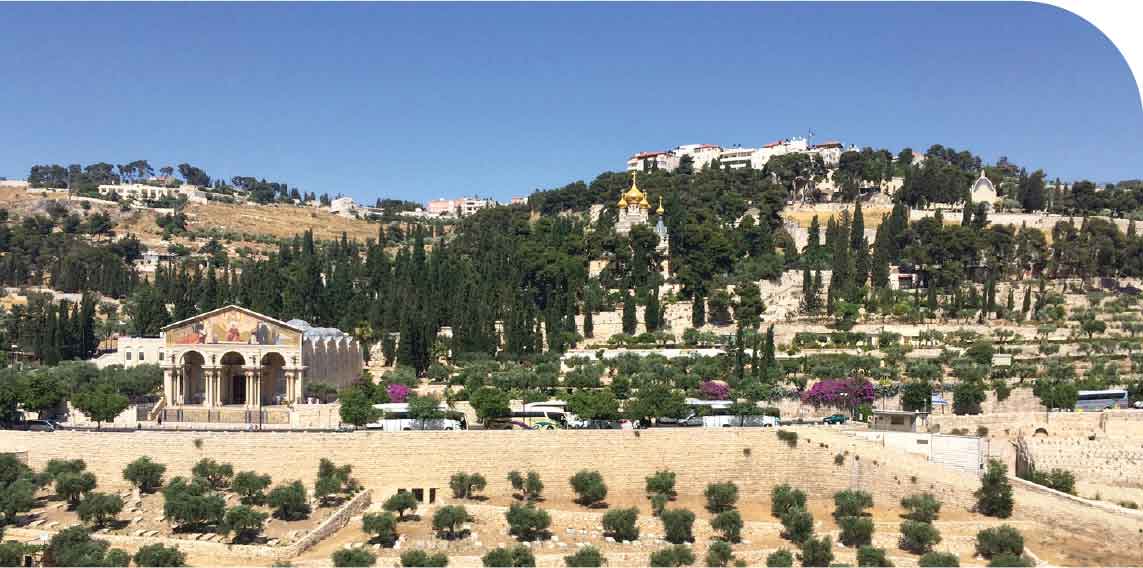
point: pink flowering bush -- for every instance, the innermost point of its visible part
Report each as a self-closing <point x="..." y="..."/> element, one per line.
<point x="397" y="392"/>
<point x="711" y="390"/>
<point x="843" y="393"/>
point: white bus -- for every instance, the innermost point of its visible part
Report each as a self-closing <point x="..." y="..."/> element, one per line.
<point x="395" y="418"/>
<point x="1101" y="399"/>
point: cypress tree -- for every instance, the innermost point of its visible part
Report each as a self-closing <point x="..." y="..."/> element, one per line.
<point x="1131" y="229"/>
<point x="807" y="291"/>
<point x="651" y="315"/>
<point x="588" y="324"/>
<point x="698" y="311"/>
<point x="769" y="358"/>
<point x="1011" y="301"/>
<point x="629" y="323"/>
<point x="1026" y="304"/>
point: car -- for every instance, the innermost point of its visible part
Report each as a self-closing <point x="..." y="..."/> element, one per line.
<point x="33" y="426"/>
<point x="598" y="425"/>
<point x="835" y="419"/>
<point x="690" y="421"/>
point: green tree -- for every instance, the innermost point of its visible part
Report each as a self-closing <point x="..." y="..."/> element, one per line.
<point x="677" y="525"/>
<point x="465" y="486"/>
<point x="189" y="504"/>
<point x="872" y="556"/>
<point x="729" y="523"/>
<point x="353" y="557"/>
<point x="157" y="555"/>
<point x="994" y="498"/>
<point x="74" y="546"/>
<point x="677" y="555"/>
<point x="215" y="474"/>
<point x="589" y="487"/>
<point x="244" y="522"/>
<point x="721" y="496"/>
<point x="817" y="551"/>
<point x="289" y="501"/>
<point x="381" y="528"/>
<point x="922" y="507"/>
<point x="144" y="474"/>
<point x="586" y="557"/>
<point x="356" y="406"/>
<point x="101" y="404"/>
<point x="527" y="522"/>
<point x="780" y="558"/>
<point x="629" y="324"/>
<point x="621" y="525"/>
<point x="918" y="537"/>
<point x="798" y="525"/>
<point x="784" y="499"/>
<point x="251" y="487"/>
<point x="420" y="558"/>
<point x="448" y="519"/>
<point x="939" y="560"/>
<point x="1003" y="539"/>
<point x="99" y="508"/>
<point x="718" y="553"/>
<point x="400" y="502"/>
<point x="518" y="555"/>
<point x="661" y="483"/>
<point x="73" y="486"/>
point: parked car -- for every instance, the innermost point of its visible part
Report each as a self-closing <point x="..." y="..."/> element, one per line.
<point x="835" y="419"/>
<point x="727" y="421"/>
<point x="690" y="421"/>
<point x="598" y="425"/>
<point x="33" y="425"/>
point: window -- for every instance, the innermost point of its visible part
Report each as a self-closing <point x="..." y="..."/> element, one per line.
<point x="897" y="420"/>
<point x="142" y="356"/>
<point x="127" y="355"/>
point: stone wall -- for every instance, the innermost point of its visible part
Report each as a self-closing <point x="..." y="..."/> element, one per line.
<point x="334" y="523"/>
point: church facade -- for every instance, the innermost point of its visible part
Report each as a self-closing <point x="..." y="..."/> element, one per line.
<point x="634" y="209"/>
<point x="233" y="356"/>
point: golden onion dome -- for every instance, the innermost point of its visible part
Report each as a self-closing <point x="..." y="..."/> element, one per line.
<point x="643" y="203"/>
<point x="660" y="210"/>
<point x="622" y="202"/>
<point x="633" y="195"/>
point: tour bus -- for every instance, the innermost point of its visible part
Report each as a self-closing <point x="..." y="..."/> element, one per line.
<point x="715" y="414"/>
<point x="1101" y="399"/>
<point x="395" y="418"/>
<point x="570" y="420"/>
<point x="535" y="419"/>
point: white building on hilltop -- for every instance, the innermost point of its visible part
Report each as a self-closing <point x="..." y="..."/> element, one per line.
<point x="144" y="192"/>
<point x="702" y="155"/>
<point x="983" y="191"/>
<point x="460" y="207"/>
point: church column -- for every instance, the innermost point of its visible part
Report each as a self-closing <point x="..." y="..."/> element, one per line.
<point x="169" y="385"/>
<point x="181" y="388"/>
<point x="253" y="390"/>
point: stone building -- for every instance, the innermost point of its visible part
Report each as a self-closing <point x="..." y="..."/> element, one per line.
<point x="235" y="356"/>
<point x="983" y="191"/>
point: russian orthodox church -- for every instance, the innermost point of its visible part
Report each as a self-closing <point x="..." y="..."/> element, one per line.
<point x="634" y="209"/>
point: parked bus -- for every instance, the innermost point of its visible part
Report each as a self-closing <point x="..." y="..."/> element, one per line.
<point x="1101" y="399"/>
<point x="395" y="418"/>
<point x="534" y="419"/>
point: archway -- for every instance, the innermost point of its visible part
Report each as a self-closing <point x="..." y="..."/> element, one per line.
<point x="193" y="386"/>
<point x="1040" y="432"/>
<point x="233" y="378"/>
<point x="273" y="378"/>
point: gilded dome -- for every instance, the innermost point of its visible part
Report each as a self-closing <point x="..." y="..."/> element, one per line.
<point x="633" y="195"/>
<point x="660" y="210"/>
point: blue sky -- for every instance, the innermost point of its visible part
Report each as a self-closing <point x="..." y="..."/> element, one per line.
<point x="431" y="100"/>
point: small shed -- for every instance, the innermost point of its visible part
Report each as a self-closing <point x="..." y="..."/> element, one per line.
<point x="896" y="420"/>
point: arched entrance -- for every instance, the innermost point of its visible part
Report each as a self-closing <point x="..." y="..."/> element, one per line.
<point x="273" y="377"/>
<point x="192" y="387"/>
<point x="233" y="378"/>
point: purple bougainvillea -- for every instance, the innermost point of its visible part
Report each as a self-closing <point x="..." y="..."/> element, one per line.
<point x="843" y="393"/>
<point x="397" y="392"/>
<point x="711" y="390"/>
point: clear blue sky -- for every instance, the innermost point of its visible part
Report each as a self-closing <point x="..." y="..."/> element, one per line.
<point x="431" y="100"/>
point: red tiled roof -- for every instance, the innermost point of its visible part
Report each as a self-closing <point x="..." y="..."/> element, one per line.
<point x="642" y="155"/>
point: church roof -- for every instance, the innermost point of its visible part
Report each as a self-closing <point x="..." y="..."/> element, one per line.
<point x="309" y="331"/>
<point x="983" y="181"/>
<point x="231" y="307"/>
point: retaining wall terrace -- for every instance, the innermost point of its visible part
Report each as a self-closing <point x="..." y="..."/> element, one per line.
<point x="754" y="458"/>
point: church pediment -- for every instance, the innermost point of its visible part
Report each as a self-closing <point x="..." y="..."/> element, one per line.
<point x="232" y="325"/>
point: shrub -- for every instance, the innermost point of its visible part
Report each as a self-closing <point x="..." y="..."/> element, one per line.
<point x="839" y="459"/>
<point x="99" y="508"/>
<point x="856" y="531"/>
<point x="851" y="503"/>
<point x="658" y="503"/>
<point x="1058" y="479"/>
<point x="526" y="522"/>
<point x="780" y="558"/>
<point x="661" y="483"/>
<point x="729" y="523"/>
<point x="244" y="522"/>
<point x="677" y="524"/>
<point x="586" y="557"/>
<point x="994" y="498"/>
<point x="817" y="552"/>
<point x="718" y="554"/>
<point x="918" y="537"/>
<point x="217" y="475"/>
<point x="400" y="502"/>
<point x="791" y="438"/>
<point x="784" y="499"/>
<point x="999" y="540"/>
<point x="518" y="555"/>
<point x="465" y="486"/>
<point x="872" y="556"/>
<point x="721" y="496"/>
<point x="251" y="487"/>
<point x="381" y="528"/>
<point x="332" y="481"/>
<point x="144" y="474"/>
<point x="620" y="524"/>
<point x="289" y="501"/>
<point x="448" y="519"/>
<point x="589" y="487"/>
<point x="677" y="555"/>
<point x="12" y="553"/>
<point x="73" y="486"/>
<point x="420" y="558"/>
<point x="158" y="555"/>
<point x="353" y="557"/>
<point x="798" y="524"/>
<point x="1011" y="560"/>
<point x="922" y="507"/>
<point x="939" y="560"/>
